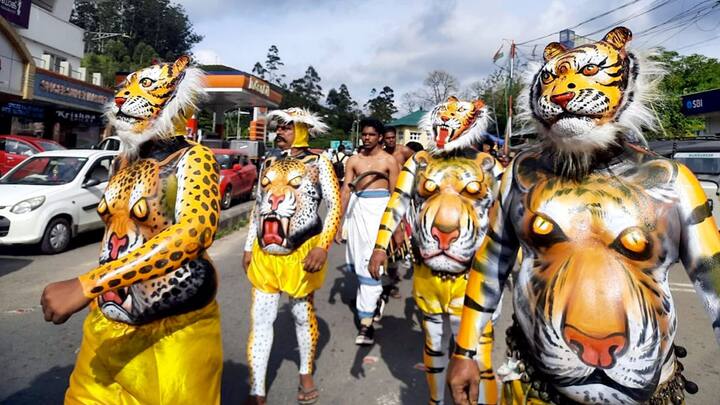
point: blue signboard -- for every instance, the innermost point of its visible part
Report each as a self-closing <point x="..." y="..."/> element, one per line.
<point x="16" y="11"/>
<point x="701" y="103"/>
<point x="23" y="110"/>
<point x="53" y="87"/>
<point x="335" y="144"/>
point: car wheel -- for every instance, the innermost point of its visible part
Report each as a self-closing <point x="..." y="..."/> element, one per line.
<point x="56" y="237"/>
<point x="226" y="198"/>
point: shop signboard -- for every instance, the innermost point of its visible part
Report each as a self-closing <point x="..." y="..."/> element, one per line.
<point x="79" y="117"/>
<point x="34" y="112"/>
<point x="55" y="88"/>
<point x="348" y="144"/>
<point x="16" y="11"/>
<point x="701" y="103"/>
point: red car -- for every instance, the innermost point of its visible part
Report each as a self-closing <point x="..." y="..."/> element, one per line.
<point x="16" y="148"/>
<point x="237" y="176"/>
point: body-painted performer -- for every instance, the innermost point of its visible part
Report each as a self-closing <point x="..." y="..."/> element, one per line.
<point x="451" y="187"/>
<point x="599" y="222"/>
<point x="369" y="177"/>
<point x="286" y="249"/>
<point x="153" y="332"/>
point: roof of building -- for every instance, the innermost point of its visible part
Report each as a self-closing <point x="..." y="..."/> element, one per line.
<point x="410" y="120"/>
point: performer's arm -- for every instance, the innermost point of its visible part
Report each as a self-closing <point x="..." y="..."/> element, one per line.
<point x="197" y="213"/>
<point x="700" y="244"/>
<point x="345" y="192"/>
<point x="331" y="195"/>
<point x="255" y="213"/>
<point x="398" y="204"/>
<point x="490" y="269"/>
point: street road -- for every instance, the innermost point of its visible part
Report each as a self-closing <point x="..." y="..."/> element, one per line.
<point x="37" y="358"/>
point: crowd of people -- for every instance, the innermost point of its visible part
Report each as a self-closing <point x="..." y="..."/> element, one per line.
<point x="588" y="222"/>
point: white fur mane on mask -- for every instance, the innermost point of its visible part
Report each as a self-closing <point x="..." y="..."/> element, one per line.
<point x="474" y="135"/>
<point x="634" y="114"/>
<point x="299" y="115"/>
<point x="189" y="91"/>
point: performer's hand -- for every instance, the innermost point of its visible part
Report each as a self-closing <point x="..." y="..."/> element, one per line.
<point x="376" y="260"/>
<point x="315" y="260"/>
<point x="463" y="378"/>
<point x="247" y="257"/>
<point x="338" y="237"/>
<point x="62" y="299"/>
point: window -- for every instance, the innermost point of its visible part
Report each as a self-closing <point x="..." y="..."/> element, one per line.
<point x="19" y="148"/>
<point x="100" y="170"/>
<point x="415" y="136"/>
<point x="55" y="62"/>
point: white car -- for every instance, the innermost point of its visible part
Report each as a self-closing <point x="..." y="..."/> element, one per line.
<point x="110" y="143"/>
<point x="52" y="196"/>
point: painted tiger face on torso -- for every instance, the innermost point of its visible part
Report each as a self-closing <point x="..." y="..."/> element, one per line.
<point x="591" y="295"/>
<point x="288" y="204"/>
<point x="579" y="91"/>
<point x="452" y="197"/>
<point x="456" y="124"/>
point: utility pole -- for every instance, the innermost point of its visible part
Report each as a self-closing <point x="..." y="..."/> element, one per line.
<point x="508" y="127"/>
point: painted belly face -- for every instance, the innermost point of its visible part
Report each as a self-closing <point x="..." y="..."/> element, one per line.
<point x="452" y="196"/>
<point x="288" y="205"/>
<point x="592" y="293"/>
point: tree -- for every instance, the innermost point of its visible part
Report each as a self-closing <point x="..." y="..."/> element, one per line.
<point x="495" y="90"/>
<point x="342" y="109"/>
<point x="258" y="70"/>
<point x="439" y="85"/>
<point x="382" y="105"/>
<point x="685" y="75"/>
<point x="273" y="64"/>
<point x="305" y="91"/>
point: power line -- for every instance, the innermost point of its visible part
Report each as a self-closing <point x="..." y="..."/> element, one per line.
<point x="697" y="43"/>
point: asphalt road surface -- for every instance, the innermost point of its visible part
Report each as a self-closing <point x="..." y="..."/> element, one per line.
<point x="37" y="357"/>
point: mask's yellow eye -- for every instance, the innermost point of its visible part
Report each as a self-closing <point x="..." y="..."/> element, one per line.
<point x="265" y="181"/>
<point x="546" y="77"/>
<point x="295" y="181"/>
<point x="541" y="226"/>
<point x="634" y="241"/>
<point x="473" y="187"/>
<point x="430" y="186"/>
<point x="590" y="70"/>
<point x="140" y="209"/>
<point x="146" y="82"/>
<point x="102" y="207"/>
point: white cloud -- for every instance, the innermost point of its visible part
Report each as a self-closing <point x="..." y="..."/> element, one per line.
<point x="207" y="57"/>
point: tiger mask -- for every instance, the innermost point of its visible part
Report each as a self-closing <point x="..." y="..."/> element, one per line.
<point x="586" y="97"/>
<point x="456" y="124"/>
<point x="455" y="195"/>
<point x="286" y="217"/>
<point x="151" y="102"/>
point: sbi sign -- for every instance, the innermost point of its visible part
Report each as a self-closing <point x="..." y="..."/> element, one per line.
<point x="701" y="103"/>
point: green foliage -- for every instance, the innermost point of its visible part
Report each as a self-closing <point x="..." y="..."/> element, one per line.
<point x="382" y="105"/>
<point x="495" y="90"/>
<point x="305" y="92"/>
<point x="342" y="109"/>
<point x="116" y="58"/>
<point x="685" y="75"/>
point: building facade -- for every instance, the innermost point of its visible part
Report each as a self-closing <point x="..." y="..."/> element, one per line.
<point x="408" y="129"/>
<point x="44" y="91"/>
<point x="705" y="105"/>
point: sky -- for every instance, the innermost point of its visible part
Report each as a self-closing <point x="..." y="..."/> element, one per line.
<point x="370" y="44"/>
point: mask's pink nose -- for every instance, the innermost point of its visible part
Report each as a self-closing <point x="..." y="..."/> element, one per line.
<point x="562" y="99"/>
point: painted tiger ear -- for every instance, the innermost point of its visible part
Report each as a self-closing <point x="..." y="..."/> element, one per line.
<point x="618" y="37"/>
<point x="552" y="50"/>
<point x="452" y="99"/>
<point x="181" y="63"/>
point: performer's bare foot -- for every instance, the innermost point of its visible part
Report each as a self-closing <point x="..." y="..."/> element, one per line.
<point x="255" y="400"/>
<point x="307" y="392"/>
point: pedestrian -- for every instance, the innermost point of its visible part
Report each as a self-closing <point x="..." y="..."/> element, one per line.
<point x="447" y="191"/>
<point x="339" y="161"/>
<point x="287" y="244"/>
<point x="152" y="334"/>
<point x="369" y="177"/>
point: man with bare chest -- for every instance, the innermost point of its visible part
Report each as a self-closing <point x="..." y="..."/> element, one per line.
<point x="401" y="153"/>
<point x="369" y="177"/>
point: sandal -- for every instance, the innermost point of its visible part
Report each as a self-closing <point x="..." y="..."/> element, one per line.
<point x="305" y="393"/>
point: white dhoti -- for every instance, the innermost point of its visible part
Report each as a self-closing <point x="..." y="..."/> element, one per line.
<point x="362" y="220"/>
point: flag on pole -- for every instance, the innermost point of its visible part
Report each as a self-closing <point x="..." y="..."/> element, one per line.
<point x="498" y="54"/>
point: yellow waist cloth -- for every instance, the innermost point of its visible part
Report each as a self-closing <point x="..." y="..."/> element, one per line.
<point x="275" y="273"/>
<point x="175" y="360"/>
<point x="434" y="295"/>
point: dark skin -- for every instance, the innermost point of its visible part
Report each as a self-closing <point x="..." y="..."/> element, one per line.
<point x="312" y="263"/>
<point x="62" y="299"/>
<point x="372" y="157"/>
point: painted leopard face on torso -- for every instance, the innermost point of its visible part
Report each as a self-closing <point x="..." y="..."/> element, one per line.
<point x="288" y="204"/>
<point x="138" y="204"/>
<point x="452" y="196"/>
<point x="592" y="295"/>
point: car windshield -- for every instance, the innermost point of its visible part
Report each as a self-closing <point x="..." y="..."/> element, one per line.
<point x="225" y="161"/>
<point x="700" y="162"/>
<point x="46" y="171"/>
<point x="51" y="146"/>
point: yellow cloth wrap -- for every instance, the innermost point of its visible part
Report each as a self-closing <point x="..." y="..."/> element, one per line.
<point x="175" y="360"/>
<point x="433" y="295"/>
<point x="515" y="392"/>
<point x="274" y="273"/>
<point x="302" y="136"/>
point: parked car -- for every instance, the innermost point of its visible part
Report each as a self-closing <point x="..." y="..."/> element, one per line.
<point x="52" y="196"/>
<point x="703" y="159"/>
<point x="109" y="143"/>
<point x="16" y="148"/>
<point x="237" y="175"/>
